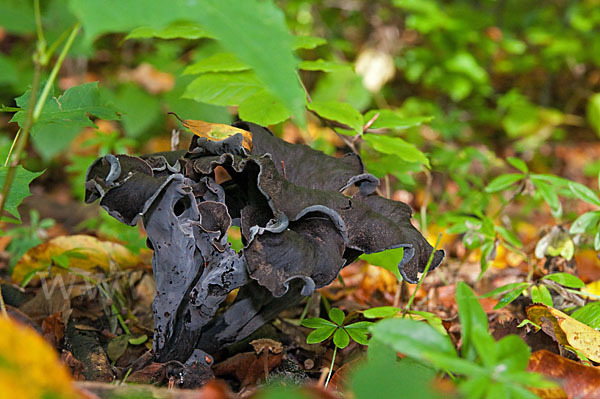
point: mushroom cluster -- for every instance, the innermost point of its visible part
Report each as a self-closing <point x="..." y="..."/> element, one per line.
<point x="303" y="215"/>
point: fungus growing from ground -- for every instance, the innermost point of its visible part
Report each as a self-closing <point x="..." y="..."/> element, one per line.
<point x="298" y="225"/>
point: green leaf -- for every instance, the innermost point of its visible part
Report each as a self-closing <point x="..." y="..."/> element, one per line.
<point x="597" y="241"/>
<point x="263" y="108"/>
<point x="317" y="322"/>
<point x="589" y="314"/>
<point x="320" y="334"/>
<point x="322" y="65"/>
<point x="381" y="312"/>
<point x="220" y="62"/>
<point x="341" y="339"/>
<point x="337" y="316"/>
<point x="72" y="109"/>
<point x="509" y="236"/>
<point x="413" y="338"/>
<point x="396" y="146"/>
<point x="20" y="187"/>
<point x="473" y="319"/>
<point x="565" y="279"/>
<point x="584" y="193"/>
<point x="549" y="195"/>
<point x="503" y="181"/>
<point x="388" y="259"/>
<point x="358" y="335"/>
<point x="434" y="320"/>
<point x="505" y="288"/>
<point x="593" y="112"/>
<point x="255" y="31"/>
<point x="540" y="294"/>
<point x="518" y="163"/>
<point x="307" y="42"/>
<point x="509" y="297"/>
<point x="138" y="340"/>
<point x="585" y="222"/>
<point x="339" y="112"/>
<point x="141" y="110"/>
<point x="175" y="30"/>
<point x="390" y="119"/>
<point x="224" y="88"/>
<point x="117" y="347"/>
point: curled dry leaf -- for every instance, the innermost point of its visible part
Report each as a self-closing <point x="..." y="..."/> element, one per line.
<point x="566" y="330"/>
<point x="82" y="251"/>
<point x="216" y="131"/>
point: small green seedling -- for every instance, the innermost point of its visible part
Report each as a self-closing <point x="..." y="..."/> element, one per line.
<point x="324" y="329"/>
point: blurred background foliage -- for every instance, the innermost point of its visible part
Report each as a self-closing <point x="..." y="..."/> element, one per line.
<point x="435" y="95"/>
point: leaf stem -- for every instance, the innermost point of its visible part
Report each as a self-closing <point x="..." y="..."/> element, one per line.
<point x="412" y="297"/>
<point x="331" y="367"/>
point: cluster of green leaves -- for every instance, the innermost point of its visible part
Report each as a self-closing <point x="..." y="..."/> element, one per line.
<point x="485" y="368"/>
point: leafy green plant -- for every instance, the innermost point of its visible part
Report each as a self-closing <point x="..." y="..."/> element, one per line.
<point x="485" y="368"/>
<point x="538" y="291"/>
<point x="341" y="332"/>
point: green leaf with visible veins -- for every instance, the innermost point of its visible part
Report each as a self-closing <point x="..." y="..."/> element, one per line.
<point x="20" y="187"/>
<point x="220" y="62"/>
<point x="73" y="108"/>
<point x="263" y="108"/>
<point x="339" y="112"/>
<point x="224" y="88"/>
<point x="396" y="146"/>
<point x="255" y="31"/>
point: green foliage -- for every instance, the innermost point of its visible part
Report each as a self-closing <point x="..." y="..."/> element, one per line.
<point x="485" y="368"/>
<point x="20" y="188"/>
<point x="335" y="326"/>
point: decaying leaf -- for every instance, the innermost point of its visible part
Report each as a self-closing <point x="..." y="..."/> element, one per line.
<point x="29" y="366"/>
<point x="575" y="379"/>
<point x="79" y="252"/>
<point x="298" y="229"/>
<point x="567" y="331"/>
<point x="216" y="131"/>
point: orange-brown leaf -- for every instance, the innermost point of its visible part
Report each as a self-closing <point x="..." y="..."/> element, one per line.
<point x="216" y="131"/>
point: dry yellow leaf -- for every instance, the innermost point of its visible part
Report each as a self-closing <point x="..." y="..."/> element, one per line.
<point x="216" y="131"/>
<point x="566" y="330"/>
<point x="29" y="367"/>
<point x="84" y="253"/>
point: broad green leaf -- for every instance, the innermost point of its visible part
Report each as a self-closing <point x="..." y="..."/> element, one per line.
<point x="316" y="322"/>
<point x="72" y="109"/>
<point x="585" y="222"/>
<point x="175" y="30"/>
<point x="337" y="316"/>
<point x="322" y="65"/>
<point x="307" y="42"/>
<point x="472" y="318"/>
<point x="263" y="108"/>
<point x="358" y="335"/>
<point x="549" y="195"/>
<point x="255" y="31"/>
<point x="509" y="236"/>
<point x="390" y="119"/>
<point x="593" y="112"/>
<point x="555" y="180"/>
<point x="224" y="88"/>
<point x="518" y="163"/>
<point x="503" y="181"/>
<point x="396" y="146"/>
<point x="433" y="320"/>
<point x="388" y="259"/>
<point x="20" y="187"/>
<point x="220" y="62"/>
<point x="341" y="339"/>
<point x="413" y="338"/>
<point x="589" y="314"/>
<point x="320" y="334"/>
<point x="339" y="112"/>
<point x="381" y="312"/>
<point x="360" y="325"/>
<point x="540" y="294"/>
<point x="565" y="279"/>
<point x="141" y="110"/>
<point x="117" y="347"/>
<point x="584" y="193"/>
<point x="16" y="16"/>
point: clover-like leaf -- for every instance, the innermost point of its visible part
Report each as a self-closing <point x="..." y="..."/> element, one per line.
<point x="341" y="339"/>
<point x="337" y="316"/>
<point x="320" y="334"/>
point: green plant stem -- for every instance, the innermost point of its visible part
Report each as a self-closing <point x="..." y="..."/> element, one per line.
<point x="331" y="367"/>
<point x="33" y="113"/>
<point x="412" y="297"/>
<point x="12" y="147"/>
